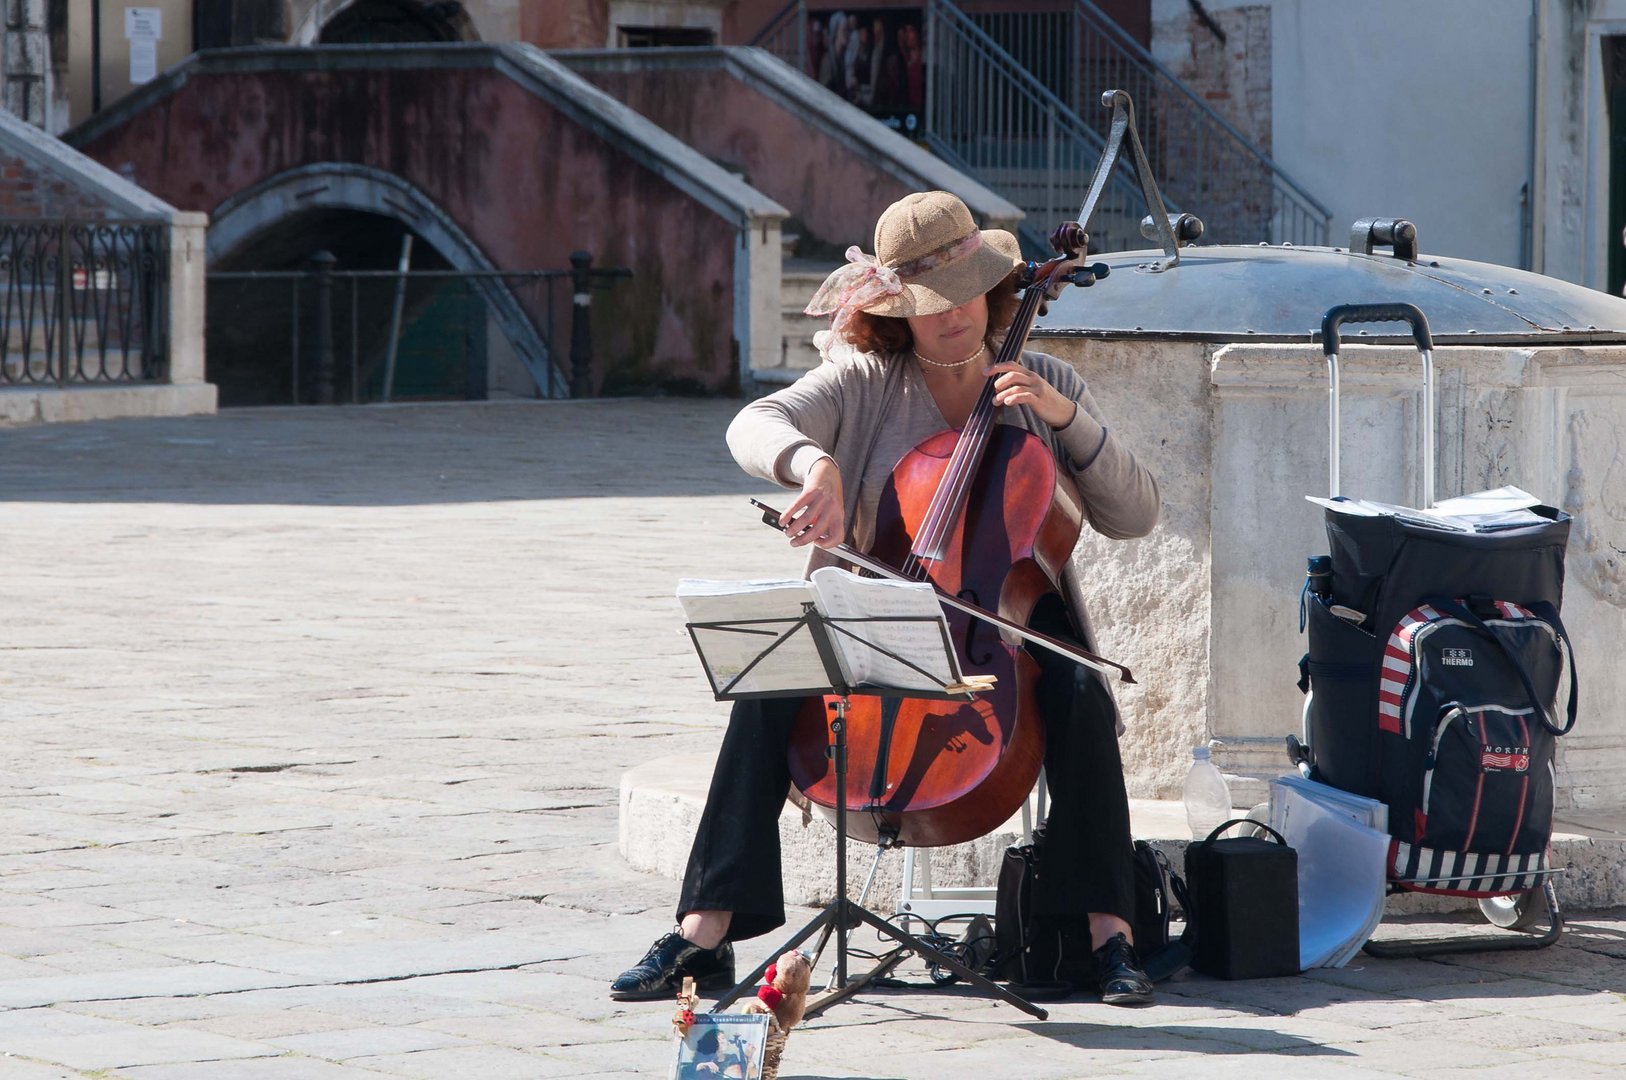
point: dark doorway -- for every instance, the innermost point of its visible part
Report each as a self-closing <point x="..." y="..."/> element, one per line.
<point x="648" y="37"/>
<point x="1614" y="88"/>
<point x="384" y="22"/>
<point x="221" y="24"/>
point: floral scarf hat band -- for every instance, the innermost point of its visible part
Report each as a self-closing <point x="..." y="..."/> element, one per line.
<point x="865" y="281"/>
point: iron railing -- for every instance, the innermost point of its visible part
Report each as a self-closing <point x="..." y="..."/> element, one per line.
<point x="1014" y="100"/>
<point x="85" y="302"/>
<point x="1200" y="159"/>
<point x="326" y="336"/>
<point x="989" y="116"/>
<point x="785" y="35"/>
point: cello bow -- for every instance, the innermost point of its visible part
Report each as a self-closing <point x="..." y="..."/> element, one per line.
<point x="771" y="518"/>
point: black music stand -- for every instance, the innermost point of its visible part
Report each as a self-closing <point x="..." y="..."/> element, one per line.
<point x="841" y="913"/>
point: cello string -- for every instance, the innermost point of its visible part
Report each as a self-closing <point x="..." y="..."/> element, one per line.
<point x="968" y="450"/>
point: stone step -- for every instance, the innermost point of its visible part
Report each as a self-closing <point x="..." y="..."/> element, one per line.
<point x="808" y="273"/>
<point x="798" y="282"/>
<point x="661" y="803"/>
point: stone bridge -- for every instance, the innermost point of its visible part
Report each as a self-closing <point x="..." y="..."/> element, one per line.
<point x="496" y="157"/>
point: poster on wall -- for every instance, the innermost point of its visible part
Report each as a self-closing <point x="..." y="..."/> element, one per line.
<point x="876" y="59"/>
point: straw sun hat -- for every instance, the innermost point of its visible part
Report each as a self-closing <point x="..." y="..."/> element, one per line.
<point x="929" y="257"/>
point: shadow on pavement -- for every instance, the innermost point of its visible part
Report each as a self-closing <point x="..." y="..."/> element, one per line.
<point x="1215" y="1039"/>
<point x="383" y="455"/>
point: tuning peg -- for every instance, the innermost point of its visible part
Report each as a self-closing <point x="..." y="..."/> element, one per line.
<point x="1085" y="276"/>
<point x="1069" y="238"/>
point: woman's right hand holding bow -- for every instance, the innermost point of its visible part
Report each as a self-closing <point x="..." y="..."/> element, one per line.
<point x="818" y="515"/>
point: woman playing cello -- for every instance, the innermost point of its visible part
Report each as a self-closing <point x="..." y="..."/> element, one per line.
<point x="908" y="356"/>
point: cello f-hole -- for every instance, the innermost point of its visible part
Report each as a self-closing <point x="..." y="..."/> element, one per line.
<point x="970" y="597"/>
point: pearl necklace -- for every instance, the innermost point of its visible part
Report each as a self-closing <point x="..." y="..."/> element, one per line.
<point x="982" y="347"/>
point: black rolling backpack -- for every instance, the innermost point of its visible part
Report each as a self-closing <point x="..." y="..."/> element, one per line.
<point x="1439" y="672"/>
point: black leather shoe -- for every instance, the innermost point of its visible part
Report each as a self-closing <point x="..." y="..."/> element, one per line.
<point x="660" y="973"/>
<point x="1122" y="980"/>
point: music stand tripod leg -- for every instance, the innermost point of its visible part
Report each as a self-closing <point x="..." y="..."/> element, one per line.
<point x="820" y="922"/>
<point x="852" y="924"/>
<point x="841" y="913"/>
<point x="854" y="912"/>
<point x="909" y="943"/>
<point x="829" y="920"/>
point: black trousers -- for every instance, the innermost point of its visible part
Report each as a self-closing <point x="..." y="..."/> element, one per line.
<point x="734" y="864"/>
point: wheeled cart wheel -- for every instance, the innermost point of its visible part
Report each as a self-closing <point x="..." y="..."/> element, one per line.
<point x="1514" y="912"/>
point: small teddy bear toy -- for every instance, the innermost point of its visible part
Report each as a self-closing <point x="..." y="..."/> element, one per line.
<point x="784" y="997"/>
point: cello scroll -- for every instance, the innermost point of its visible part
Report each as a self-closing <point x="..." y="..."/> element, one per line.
<point x="1072" y="245"/>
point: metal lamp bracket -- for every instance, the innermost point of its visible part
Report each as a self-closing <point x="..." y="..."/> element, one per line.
<point x="1158" y="217"/>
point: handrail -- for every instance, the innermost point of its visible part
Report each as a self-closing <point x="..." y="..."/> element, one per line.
<point x="84" y="301"/>
<point x="1028" y="82"/>
<point x="1061" y="123"/>
<point x="769" y="36"/>
<point x="1030" y="138"/>
<point x="1141" y="53"/>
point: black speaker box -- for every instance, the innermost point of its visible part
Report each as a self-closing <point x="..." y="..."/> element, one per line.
<point x="1245" y="898"/>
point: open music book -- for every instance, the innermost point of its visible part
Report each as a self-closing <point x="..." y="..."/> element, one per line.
<point x="1482" y="511"/>
<point x="735" y="622"/>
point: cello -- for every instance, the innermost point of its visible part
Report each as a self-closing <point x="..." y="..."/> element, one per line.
<point x="986" y="516"/>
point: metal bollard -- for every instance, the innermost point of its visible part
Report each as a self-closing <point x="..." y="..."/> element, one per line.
<point x="581" y="324"/>
<point x="324" y="262"/>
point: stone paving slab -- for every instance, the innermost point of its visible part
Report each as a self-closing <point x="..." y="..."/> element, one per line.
<point x="316" y="725"/>
<point x="274" y="1068"/>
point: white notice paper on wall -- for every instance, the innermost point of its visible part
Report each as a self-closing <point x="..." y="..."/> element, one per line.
<point x="143" y="23"/>
<point x="143" y="26"/>
<point x="143" y="61"/>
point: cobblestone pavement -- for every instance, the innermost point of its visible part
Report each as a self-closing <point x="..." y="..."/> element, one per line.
<point x="313" y="724"/>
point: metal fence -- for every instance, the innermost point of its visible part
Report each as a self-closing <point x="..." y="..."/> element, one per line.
<point x="1200" y="159"/>
<point x="1014" y="100"/>
<point x="1199" y="156"/>
<point x="84" y="303"/>
<point x="992" y="118"/>
<point x="785" y="35"/>
<point x="325" y="336"/>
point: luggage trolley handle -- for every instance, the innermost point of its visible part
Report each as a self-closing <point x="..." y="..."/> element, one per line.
<point x="1374" y="313"/>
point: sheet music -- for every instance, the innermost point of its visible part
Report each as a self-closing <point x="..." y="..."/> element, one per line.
<point x="844" y="595"/>
<point x="1482" y="511"/>
<point x="794" y="665"/>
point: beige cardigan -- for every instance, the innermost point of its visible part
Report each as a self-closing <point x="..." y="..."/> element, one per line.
<point x="866" y="411"/>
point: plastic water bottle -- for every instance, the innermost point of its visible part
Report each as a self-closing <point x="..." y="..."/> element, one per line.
<point x="1207" y="795"/>
<point x="1317" y="582"/>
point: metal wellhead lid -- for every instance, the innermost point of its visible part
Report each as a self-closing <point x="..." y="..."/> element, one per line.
<point x="1229" y="293"/>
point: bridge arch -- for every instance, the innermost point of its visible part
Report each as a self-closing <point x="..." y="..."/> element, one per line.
<point x="250" y="214"/>
<point x="355" y="22"/>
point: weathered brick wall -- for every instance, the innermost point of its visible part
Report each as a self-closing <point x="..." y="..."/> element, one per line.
<point x="31" y="193"/>
<point x="1224" y="57"/>
<point x="26" y="59"/>
<point x="525" y="183"/>
<point x="1231" y="74"/>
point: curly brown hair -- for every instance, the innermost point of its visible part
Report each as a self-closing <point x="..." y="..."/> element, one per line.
<point x="889" y="334"/>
